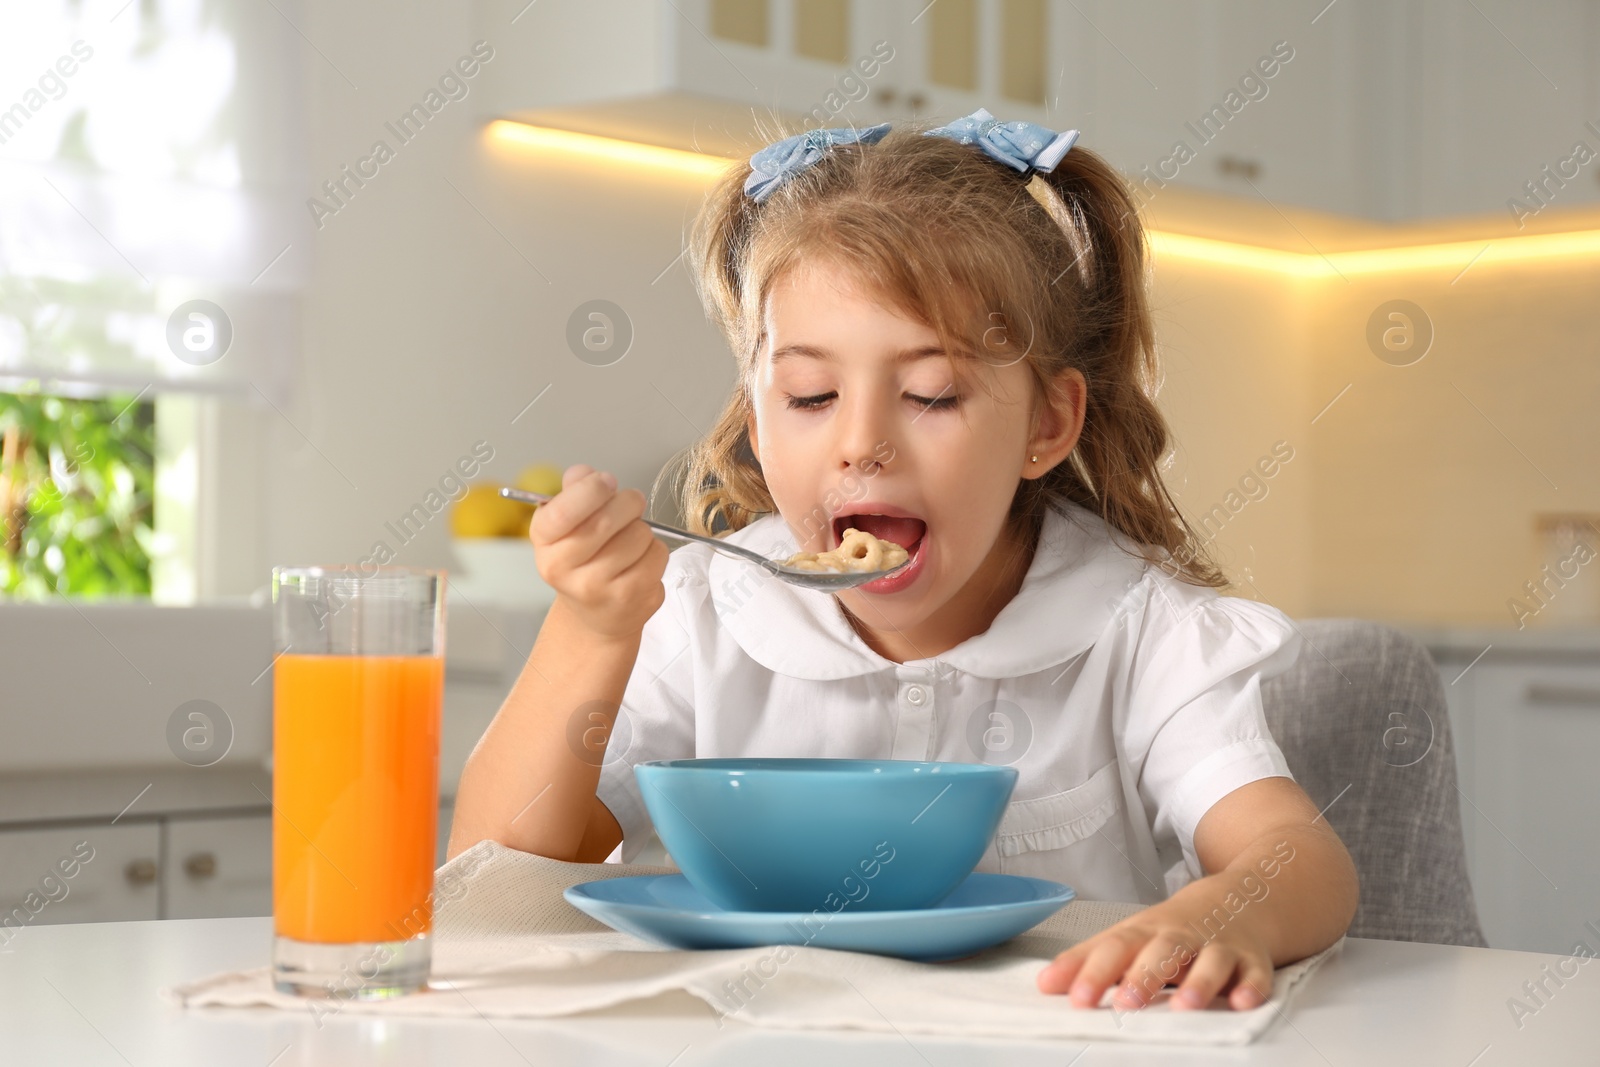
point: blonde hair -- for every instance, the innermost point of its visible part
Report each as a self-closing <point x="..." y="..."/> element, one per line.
<point x="960" y="242"/>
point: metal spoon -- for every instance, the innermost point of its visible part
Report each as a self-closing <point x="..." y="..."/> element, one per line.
<point x="824" y="581"/>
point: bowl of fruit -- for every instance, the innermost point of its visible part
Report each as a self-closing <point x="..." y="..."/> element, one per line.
<point x="489" y="537"/>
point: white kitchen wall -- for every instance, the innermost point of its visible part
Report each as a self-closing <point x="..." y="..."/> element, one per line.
<point x="1443" y="466"/>
<point x="1233" y="346"/>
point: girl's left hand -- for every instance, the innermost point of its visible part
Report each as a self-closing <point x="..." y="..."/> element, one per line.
<point x="1158" y="945"/>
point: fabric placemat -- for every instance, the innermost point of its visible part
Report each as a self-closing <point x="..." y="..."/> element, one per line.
<point x="508" y="945"/>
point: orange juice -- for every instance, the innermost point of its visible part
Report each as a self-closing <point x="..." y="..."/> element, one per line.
<point x="355" y="796"/>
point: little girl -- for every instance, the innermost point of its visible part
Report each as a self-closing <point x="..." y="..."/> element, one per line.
<point x="942" y="339"/>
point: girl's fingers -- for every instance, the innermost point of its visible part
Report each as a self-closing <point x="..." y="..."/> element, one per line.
<point x="581" y="495"/>
<point x="1141" y="964"/>
<point x="1159" y="962"/>
<point x="1253" y="987"/>
<point x="651" y="561"/>
<point x="614" y="512"/>
<point x="1211" y="970"/>
<point x="1105" y="963"/>
<point x="1058" y="975"/>
<point x="625" y="548"/>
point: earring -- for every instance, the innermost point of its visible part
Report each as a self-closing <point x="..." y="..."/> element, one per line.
<point x="1035" y="459"/>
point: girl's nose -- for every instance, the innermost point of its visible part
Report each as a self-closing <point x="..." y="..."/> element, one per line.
<point x="866" y="451"/>
<point x="864" y="434"/>
<point x="868" y="463"/>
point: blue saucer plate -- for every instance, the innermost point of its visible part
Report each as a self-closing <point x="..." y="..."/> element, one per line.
<point x="983" y="910"/>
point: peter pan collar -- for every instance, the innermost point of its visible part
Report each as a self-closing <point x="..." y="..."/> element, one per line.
<point x="1075" y="581"/>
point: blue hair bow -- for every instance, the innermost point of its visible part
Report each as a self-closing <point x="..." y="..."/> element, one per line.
<point x="1022" y="146"/>
<point x="782" y="160"/>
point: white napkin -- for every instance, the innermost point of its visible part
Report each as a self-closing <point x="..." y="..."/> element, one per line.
<point x="507" y="944"/>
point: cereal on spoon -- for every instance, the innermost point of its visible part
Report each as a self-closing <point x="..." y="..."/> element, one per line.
<point x="857" y="551"/>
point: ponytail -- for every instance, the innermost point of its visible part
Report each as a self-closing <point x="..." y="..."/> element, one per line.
<point x="1115" y="468"/>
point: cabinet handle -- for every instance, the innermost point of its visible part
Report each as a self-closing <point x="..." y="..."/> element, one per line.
<point x="200" y="865"/>
<point x="1235" y="166"/>
<point x="140" y="872"/>
<point x="1563" y="694"/>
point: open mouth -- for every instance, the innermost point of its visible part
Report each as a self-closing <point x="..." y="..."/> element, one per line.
<point x="905" y="531"/>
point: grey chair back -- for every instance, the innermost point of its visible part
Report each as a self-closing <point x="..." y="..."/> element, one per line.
<point x="1361" y="718"/>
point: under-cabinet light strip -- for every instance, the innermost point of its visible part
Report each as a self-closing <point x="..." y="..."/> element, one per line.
<point x="1444" y="255"/>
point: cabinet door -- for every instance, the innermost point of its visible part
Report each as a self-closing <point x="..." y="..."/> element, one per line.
<point x="1152" y="72"/>
<point x="1307" y="134"/>
<point x="218" y="867"/>
<point x="1459" y="683"/>
<point x="79" y="874"/>
<point x="1244" y="98"/>
<point x="1533" y="804"/>
<point x="1499" y="95"/>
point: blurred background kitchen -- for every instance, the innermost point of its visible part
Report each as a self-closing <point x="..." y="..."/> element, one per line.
<point x="278" y="280"/>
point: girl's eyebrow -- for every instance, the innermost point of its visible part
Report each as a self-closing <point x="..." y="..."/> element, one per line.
<point x="909" y="355"/>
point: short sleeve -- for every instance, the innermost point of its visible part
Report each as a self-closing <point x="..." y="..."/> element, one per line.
<point x="1196" y="729"/>
<point x="657" y="717"/>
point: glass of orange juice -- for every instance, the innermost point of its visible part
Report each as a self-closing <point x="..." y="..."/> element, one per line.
<point x="356" y="696"/>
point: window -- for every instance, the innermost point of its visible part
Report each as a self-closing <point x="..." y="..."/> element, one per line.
<point x="151" y="182"/>
<point x="77" y="494"/>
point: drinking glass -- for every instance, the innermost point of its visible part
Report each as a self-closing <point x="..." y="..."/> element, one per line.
<point x="356" y="697"/>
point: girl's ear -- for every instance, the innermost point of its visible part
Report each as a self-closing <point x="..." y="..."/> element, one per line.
<point x="1059" y="424"/>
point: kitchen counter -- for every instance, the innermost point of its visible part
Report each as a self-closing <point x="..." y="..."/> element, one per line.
<point x="91" y="762"/>
<point x="101" y="796"/>
<point x="87" y="994"/>
<point x="1565" y="642"/>
<point x="232" y="786"/>
<point x="44" y="798"/>
<point x="106" y="684"/>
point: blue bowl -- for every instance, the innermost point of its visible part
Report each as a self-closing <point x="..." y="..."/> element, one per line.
<point x="767" y="834"/>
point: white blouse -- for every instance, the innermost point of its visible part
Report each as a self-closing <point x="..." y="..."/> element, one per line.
<point x="1128" y="701"/>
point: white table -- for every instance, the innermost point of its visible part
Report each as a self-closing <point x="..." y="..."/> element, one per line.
<point x="86" y="995"/>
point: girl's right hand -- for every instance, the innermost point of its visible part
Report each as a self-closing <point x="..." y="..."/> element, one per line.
<point x="601" y="560"/>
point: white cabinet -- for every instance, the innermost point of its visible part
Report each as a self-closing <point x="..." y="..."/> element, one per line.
<point x="1534" y="802"/>
<point x="1314" y="134"/>
<point x="192" y="865"/>
<point x="1150" y="75"/>
<point x="1387" y="111"/>
<point x="1525" y="716"/>
<point x="79" y="874"/>
<point x="223" y="866"/>
<point x="1496" y="94"/>
<point x="178" y="866"/>
<point x="187" y="842"/>
<point x="218" y="867"/>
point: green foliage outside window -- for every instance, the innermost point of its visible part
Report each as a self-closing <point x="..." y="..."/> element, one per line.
<point x="77" y="490"/>
<point x="77" y="476"/>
